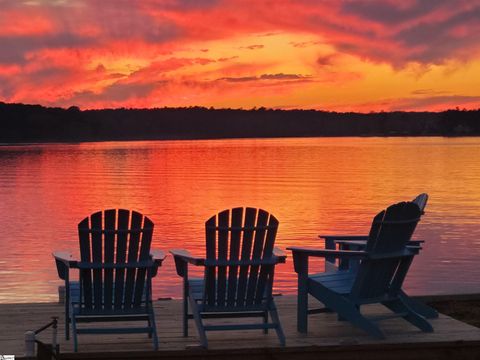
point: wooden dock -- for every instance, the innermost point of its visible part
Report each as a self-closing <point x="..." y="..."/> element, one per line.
<point x="327" y="338"/>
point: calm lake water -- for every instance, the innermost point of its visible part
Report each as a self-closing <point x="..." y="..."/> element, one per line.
<point x="313" y="186"/>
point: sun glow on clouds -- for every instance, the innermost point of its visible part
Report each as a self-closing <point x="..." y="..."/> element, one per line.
<point x="333" y="55"/>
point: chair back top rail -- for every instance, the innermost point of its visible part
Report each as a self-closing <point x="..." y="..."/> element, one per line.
<point x="116" y="231"/>
<point x="240" y="228"/>
<point x="131" y="265"/>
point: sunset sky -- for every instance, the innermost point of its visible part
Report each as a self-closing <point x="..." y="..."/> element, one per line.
<point x="340" y="55"/>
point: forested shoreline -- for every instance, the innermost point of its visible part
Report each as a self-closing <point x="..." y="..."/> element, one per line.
<point x="35" y="123"/>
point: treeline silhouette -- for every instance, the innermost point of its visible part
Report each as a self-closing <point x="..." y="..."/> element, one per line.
<point x="36" y="123"/>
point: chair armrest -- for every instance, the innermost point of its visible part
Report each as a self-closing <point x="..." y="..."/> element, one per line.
<point x="158" y="256"/>
<point x="280" y="254"/>
<point x="414" y="248"/>
<point x="65" y="257"/>
<point x="183" y="258"/>
<point x="361" y="243"/>
<point x="415" y="242"/>
<point x="406" y="252"/>
<point x="64" y="261"/>
<point x="187" y="257"/>
<point x="327" y="252"/>
<point x="301" y="255"/>
<point x="356" y="243"/>
<point x="331" y="242"/>
<point x="343" y="237"/>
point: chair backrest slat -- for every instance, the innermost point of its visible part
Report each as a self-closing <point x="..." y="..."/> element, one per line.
<point x="133" y="246"/>
<point x="237" y="218"/>
<point x="256" y="254"/>
<point x="223" y="237"/>
<point x="144" y="255"/>
<point x="111" y="243"/>
<point x="210" y="271"/>
<point x="247" y="281"/>
<point x="121" y="256"/>
<point x="109" y="257"/>
<point x="85" y="256"/>
<point x="391" y="230"/>
<point x="250" y="217"/>
<point x="97" y="245"/>
<point x="267" y="269"/>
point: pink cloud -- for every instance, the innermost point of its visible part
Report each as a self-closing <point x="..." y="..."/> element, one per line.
<point x="49" y="50"/>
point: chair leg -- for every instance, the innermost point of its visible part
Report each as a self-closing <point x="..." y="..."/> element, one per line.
<point x="398" y="306"/>
<point x="74" y="331"/>
<point x="419" y="307"/>
<point x="302" y="306"/>
<point x="198" y="322"/>
<point x="185" y="313"/>
<point x="265" y="321"/>
<point x="150" y="326"/>
<point x="278" y="326"/>
<point x="356" y="318"/>
<point x="153" y="331"/>
<point x="67" y="327"/>
<point x="341" y="318"/>
<point x="67" y="311"/>
<point x="349" y="311"/>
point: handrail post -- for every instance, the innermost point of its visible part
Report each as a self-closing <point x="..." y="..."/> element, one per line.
<point x="30" y="343"/>
<point x="54" y="334"/>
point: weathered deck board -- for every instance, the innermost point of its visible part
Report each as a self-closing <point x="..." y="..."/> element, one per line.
<point x="326" y="335"/>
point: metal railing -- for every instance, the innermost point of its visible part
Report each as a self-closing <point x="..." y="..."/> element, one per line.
<point x="45" y="351"/>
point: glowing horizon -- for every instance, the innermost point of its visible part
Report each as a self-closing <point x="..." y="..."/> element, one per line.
<point x="327" y="55"/>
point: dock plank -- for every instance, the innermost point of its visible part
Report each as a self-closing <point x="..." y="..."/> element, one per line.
<point x="337" y="339"/>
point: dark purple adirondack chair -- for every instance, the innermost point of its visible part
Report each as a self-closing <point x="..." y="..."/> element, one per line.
<point x="238" y="272"/>
<point x="383" y="266"/>
<point x="116" y="268"/>
<point x="358" y="242"/>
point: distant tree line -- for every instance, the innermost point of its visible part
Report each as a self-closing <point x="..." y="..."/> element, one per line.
<point x="36" y="123"/>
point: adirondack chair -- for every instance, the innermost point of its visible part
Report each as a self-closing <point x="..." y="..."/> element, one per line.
<point x="358" y="242"/>
<point x="238" y="273"/>
<point x="116" y="268"/>
<point x="383" y="266"/>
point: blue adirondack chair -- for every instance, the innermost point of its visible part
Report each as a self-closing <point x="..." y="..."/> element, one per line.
<point x="238" y="273"/>
<point x="383" y="266"/>
<point x="358" y="242"/>
<point x="116" y="268"/>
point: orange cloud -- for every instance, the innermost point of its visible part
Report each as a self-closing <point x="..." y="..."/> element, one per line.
<point x="344" y="55"/>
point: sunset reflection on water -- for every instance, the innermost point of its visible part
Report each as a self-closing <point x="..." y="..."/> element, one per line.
<point x="313" y="186"/>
